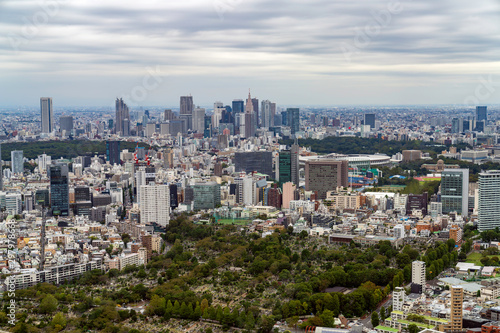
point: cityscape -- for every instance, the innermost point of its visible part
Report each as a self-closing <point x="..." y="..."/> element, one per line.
<point x="241" y="167"/>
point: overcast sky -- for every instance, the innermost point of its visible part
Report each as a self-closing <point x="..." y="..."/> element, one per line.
<point x="293" y="52"/>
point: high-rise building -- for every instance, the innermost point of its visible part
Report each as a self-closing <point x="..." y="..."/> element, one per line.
<point x="155" y="204"/>
<point x="268" y="111"/>
<point x="489" y="200"/>
<point x="288" y="165"/>
<point x="66" y="124"/>
<point x="17" y="161"/>
<point x="47" y="114"/>
<point x="199" y="120"/>
<point x="457" y="125"/>
<point x="293" y="119"/>
<point x="418" y="273"/>
<point x="260" y="161"/>
<point x="113" y="152"/>
<point x="288" y="194"/>
<point x="482" y="113"/>
<point x="398" y="298"/>
<point x="370" y="120"/>
<point x="59" y="189"/>
<point x="168" y="115"/>
<point x="417" y="202"/>
<point x="255" y="102"/>
<point x="325" y="175"/>
<point x="456" y="311"/>
<point x="174" y="201"/>
<point x="206" y="195"/>
<point x="122" y="124"/>
<point x="187" y="105"/>
<point x="244" y="190"/>
<point x="455" y="191"/>
<point x="274" y="197"/>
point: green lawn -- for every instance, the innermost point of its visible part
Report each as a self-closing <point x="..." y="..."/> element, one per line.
<point x="235" y="221"/>
<point x="476" y="258"/>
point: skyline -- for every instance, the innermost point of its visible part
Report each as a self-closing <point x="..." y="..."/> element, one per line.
<point x="301" y="53"/>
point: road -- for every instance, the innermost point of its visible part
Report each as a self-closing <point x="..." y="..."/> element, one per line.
<point x="367" y="322"/>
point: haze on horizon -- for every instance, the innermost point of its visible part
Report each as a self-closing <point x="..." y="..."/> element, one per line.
<point x="303" y="52"/>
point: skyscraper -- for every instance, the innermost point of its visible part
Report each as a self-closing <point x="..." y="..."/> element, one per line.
<point x="187" y="105"/>
<point x="113" y="152"/>
<point x="482" y="113"/>
<point x="455" y="191"/>
<point x="325" y="175"/>
<point x="199" y="120"/>
<point x="122" y="125"/>
<point x="489" y="200"/>
<point x="293" y="119"/>
<point x="47" y="114"/>
<point x="66" y="124"/>
<point x="288" y="165"/>
<point x="260" y="161"/>
<point x="249" y="118"/>
<point x="370" y="120"/>
<point x="255" y="102"/>
<point x="268" y="111"/>
<point x="59" y="189"/>
<point x="17" y="161"/>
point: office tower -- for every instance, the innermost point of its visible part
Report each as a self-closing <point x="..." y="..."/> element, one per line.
<point x="187" y="105"/>
<point x="249" y="120"/>
<point x="398" y="298"/>
<point x="155" y="204"/>
<point x="293" y="120"/>
<point x="17" y="161"/>
<point x="59" y="189"/>
<point x="457" y="125"/>
<point x="113" y="152"/>
<point x="208" y="127"/>
<point x="455" y="191"/>
<point x="479" y="126"/>
<point x="268" y="111"/>
<point x="168" y="115"/>
<point x="13" y="203"/>
<point x="288" y="165"/>
<point x="260" y="161"/>
<point x="418" y="273"/>
<point x="66" y="124"/>
<point x="325" y="175"/>
<point x="417" y="202"/>
<point x="489" y="200"/>
<point x="174" y="201"/>
<point x="122" y="124"/>
<point x="47" y="114"/>
<point x="42" y="197"/>
<point x="43" y="161"/>
<point x="456" y="312"/>
<point x="199" y="120"/>
<point x="238" y="107"/>
<point x="482" y="113"/>
<point x="206" y="195"/>
<point x="255" y="102"/>
<point x="370" y="120"/>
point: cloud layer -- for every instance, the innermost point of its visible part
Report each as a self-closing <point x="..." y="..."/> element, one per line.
<point x="306" y="52"/>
